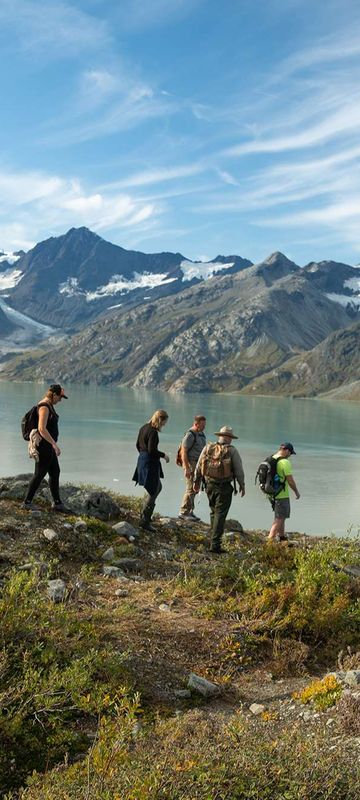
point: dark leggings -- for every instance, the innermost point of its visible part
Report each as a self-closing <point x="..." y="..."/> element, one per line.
<point x="48" y="463"/>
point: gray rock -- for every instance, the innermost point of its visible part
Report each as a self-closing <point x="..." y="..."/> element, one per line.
<point x="257" y="708"/>
<point x="50" y="535"/>
<point x="80" y="525"/>
<point x="233" y="525"/>
<point x="113" y="572"/>
<point x="121" y="593"/>
<point x="352" y="677"/>
<point x="109" y="554"/>
<point x="138" y="578"/>
<point x="307" y="716"/>
<point x="164" y="607"/>
<point x="95" y="503"/>
<point x="182" y="694"/>
<point x="169" y="522"/>
<point x="40" y="567"/>
<point x="353" y="570"/>
<point x="128" y="564"/>
<point x="35" y="513"/>
<point x="202" y="686"/>
<point x="67" y="526"/>
<point x="56" y="590"/>
<point x="125" y="529"/>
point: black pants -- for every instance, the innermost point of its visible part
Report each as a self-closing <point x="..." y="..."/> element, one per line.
<point x="219" y="496"/>
<point x="149" y="504"/>
<point x="48" y="463"/>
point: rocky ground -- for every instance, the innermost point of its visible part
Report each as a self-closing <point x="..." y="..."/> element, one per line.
<point x="168" y="604"/>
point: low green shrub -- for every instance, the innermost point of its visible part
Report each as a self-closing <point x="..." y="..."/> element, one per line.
<point x="56" y="671"/>
<point x="201" y="757"/>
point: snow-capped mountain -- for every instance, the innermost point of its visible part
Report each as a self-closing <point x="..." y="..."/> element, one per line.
<point x="68" y="280"/>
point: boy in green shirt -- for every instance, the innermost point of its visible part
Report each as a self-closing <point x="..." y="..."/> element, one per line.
<point x="282" y="500"/>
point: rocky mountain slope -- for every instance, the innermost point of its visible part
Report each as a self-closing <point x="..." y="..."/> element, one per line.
<point x="217" y="335"/>
<point x="68" y="280"/>
<point x="331" y="367"/>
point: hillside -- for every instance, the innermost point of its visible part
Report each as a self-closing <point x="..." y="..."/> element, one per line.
<point x="138" y="666"/>
<point x="217" y="335"/>
<point x="331" y="368"/>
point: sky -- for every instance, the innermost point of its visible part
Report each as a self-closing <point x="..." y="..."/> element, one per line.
<point x="189" y="126"/>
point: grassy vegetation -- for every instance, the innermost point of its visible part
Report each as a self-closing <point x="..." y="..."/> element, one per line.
<point x="87" y="697"/>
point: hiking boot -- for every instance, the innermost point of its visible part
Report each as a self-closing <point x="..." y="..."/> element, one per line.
<point x="146" y="526"/>
<point x="60" y="508"/>
<point x="30" y="506"/>
<point x="188" y="517"/>
<point x="193" y="516"/>
<point x="217" y="550"/>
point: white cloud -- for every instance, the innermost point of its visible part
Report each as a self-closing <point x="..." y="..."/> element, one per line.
<point x="157" y="176"/>
<point x="44" y="205"/>
<point x="52" y="29"/>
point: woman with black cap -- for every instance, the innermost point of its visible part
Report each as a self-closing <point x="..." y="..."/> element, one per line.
<point x="47" y="448"/>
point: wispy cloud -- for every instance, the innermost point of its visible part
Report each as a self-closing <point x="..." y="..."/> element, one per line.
<point x="41" y="202"/>
<point x="52" y="29"/>
<point x="139" y="14"/>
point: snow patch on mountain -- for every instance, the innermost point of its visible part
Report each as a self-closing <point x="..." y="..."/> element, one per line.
<point x="202" y="269"/>
<point x="117" y="284"/>
<point x="344" y="299"/>
<point x="11" y="258"/>
<point x="353" y="284"/>
<point x="9" y="278"/>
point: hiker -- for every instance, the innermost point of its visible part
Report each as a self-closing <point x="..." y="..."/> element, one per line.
<point x="192" y="446"/>
<point x="281" y="503"/>
<point x="219" y="466"/>
<point x="47" y="449"/>
<point x="148" y="469"/>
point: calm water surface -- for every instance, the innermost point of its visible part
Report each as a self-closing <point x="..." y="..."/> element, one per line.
<point x="98" y="429"/>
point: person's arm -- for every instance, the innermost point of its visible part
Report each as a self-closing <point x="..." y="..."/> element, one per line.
<point x="198" y="473"/>
<point x="238" y="470"/>
<point x="152" y="445"/>
<point x="292" y="484"/>
<point x="185" y="447"/>
<point x="44" y="433"/>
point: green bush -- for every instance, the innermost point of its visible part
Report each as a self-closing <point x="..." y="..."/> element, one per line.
<point x="200" y="757"/>
<point x="56" y="672"/>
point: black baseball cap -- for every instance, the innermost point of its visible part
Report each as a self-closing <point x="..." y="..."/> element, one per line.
<point x="288" y="446"/>
<point x="57" y="389"/>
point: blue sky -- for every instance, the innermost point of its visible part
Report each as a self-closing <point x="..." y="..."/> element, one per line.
<point x="185" y="125"/>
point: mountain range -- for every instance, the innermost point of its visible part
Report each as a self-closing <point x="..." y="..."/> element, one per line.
<point x="163" y="321"/>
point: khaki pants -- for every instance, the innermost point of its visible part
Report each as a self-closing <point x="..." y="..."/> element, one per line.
<point x="188" y="501"/>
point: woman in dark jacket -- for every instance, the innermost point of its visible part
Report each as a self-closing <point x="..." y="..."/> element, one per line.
<point x="148" y="469"/>
<point x="48" y="449"/>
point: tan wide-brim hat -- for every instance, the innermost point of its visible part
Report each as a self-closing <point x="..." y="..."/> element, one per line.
<point x="226" y="431"/>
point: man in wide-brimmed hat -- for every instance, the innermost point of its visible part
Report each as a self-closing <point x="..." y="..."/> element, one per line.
<point x="219" y="466"/>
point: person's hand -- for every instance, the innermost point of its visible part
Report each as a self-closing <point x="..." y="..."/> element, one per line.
<point x="57" y="450"/>
<point x="196" y="488"/>
<point x="297" y="496"/>
<point x="242" y="492"/>
<point x="167" y="459"/>
<point x="187" y="472"/>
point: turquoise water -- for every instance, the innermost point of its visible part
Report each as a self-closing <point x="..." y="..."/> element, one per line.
<point x="98" y="429"/>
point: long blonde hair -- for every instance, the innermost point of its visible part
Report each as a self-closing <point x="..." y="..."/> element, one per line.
<point x="158" y="418"/>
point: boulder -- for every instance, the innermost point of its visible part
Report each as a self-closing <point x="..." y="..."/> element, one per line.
<point x="352" y="677"/>
<point x="233" y="525"/>
<point x="257" y="708"/>
<point x="109" y="554"/>
<point x="202" y="686"/>
<point x="95" y="503"/>
<point x="113" y="572"/>
<point x="50" y="535"/>
<point x="125" y="529"/>
<point x="80" y="525"/>
<point x="56" y="590"/>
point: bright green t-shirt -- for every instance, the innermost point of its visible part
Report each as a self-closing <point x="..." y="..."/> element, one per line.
<point x="283" y="469"/>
